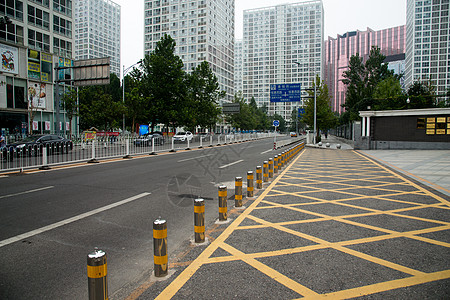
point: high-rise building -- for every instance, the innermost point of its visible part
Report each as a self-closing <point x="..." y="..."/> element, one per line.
<point x="203" y="31"/>
<point x="428" y="43"/>
<point x="338" y="51"/>
<point x="282" y="44"/>
<point x="238" y="65"/>
<point x="38" y="39"/>
<point x="97" y="31"/>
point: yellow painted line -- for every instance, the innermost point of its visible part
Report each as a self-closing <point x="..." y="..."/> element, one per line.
<point x="187" y="273"/>
<point x="385" y="286"/>
<point x="275" y="275"/>
<point x="407" y="180"/>
<point x="408" y="173"/>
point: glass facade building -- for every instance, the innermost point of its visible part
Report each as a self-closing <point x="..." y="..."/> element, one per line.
<point x="203" y="31"/>
<point x="428" y="43"/>
<point x="97" y="31"/>
<point x="281" y="44"/>
<point x="39" y="39"/>
<point x="391" y="41"/>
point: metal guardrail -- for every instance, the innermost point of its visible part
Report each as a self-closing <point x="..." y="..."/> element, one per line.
<point x="108" y="147"/>
<point x="280" y="144"/>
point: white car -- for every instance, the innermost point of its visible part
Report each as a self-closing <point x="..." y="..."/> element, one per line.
<point x="183" y="136"/>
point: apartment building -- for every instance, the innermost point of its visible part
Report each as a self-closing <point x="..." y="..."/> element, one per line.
<point x="203" y="31"/>
<point x="281" y="44"/>
<point x="428" y="43"/>
<point x="97" y="31"/>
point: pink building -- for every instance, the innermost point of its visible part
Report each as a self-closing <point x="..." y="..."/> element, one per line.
<point x="338" y="51"/>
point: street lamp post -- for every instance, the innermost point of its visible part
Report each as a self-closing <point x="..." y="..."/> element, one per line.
<point x="125" y="71"/>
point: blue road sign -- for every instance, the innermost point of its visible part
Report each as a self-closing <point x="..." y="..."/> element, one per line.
<point x="301" y="112"/>
<point x="288" y="92"/>
<point x="276" y="123"/>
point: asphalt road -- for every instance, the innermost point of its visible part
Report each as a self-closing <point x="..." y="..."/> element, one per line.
<point x="51" y="220"/>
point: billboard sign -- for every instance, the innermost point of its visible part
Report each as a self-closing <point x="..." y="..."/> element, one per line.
<point x="287" y="92"/>
<point x="91" y="71"/>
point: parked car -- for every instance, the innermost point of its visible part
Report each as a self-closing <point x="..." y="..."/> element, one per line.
<point x="33" y="144"/>
<point x="205" y="136"/>
<point x="183" y="137"/>
<point x="293" y="134"/>
<point x="146" y="139"/>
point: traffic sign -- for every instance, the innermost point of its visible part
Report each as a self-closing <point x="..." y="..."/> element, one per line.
<point x="276" y="123"/>
<point x="301" y="112"/>
<point x="288" y="92"/>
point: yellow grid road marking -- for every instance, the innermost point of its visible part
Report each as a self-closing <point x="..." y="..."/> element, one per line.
<point x="361" y="173"/>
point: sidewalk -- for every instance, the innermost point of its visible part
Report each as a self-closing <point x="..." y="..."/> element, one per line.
<point x="333" y="224"/>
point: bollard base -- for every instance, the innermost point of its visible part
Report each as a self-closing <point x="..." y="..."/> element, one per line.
<point x="172" y="150"/>
<point x="218" y="222"/>
<point x="240" y="207"/>
<point x="194" y="243"/>
<point x="44" y="168"/>
<point x="93" y="161"/>
<point x="153" y="153"/>
<point x="127" y="157"/>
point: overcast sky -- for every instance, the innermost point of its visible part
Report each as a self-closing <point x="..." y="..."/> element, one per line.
<point x="340" y="16"/>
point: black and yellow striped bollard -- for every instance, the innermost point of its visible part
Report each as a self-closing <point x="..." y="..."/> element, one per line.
<point x="259" y="177"/>
<point x="266" y="171"/>
<point x="279" y="162"/>
<point x="238" y="192"/>
<point x="275" y="164"/>
<point x="223" y="207"/>
<point x="160" y="258"/>
<point x="270" y="167"/>
<point x="250" y="184"/>
<point x="199" y="220"/>
<point x="97" y="271"/>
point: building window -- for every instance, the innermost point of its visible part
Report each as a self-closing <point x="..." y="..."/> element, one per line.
<point x="12" y="33"/>
<point x="63" y="6"/>
<point x="62" y="26"/>
<point x="45" y="3"/>
<point x="12" y="8"/>
<point x="38" y="40"/>
<point x="38" y="17"/>
<point x="62" y="47"/>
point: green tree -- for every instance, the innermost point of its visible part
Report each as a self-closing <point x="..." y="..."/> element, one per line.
<point x="164" y="84"/>
<point x="69" y="100"/>
<point x="361" y="80"/>
<point x="202" y="107"/>
<point x="388" y="95"/>
<point x="325" y="118"/>
<point x="421" y="95"/>
<point x="136" y="105"/>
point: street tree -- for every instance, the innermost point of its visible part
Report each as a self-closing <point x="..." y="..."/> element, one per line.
<point x="202" y="107"/>
<point x="388" y="95"/>
<point x="361" y="80"/>
<point x="422" y="95"/>
<point x="325" y="118"/>
<point x="70" y="103"/>
<point x="164" y="84"/>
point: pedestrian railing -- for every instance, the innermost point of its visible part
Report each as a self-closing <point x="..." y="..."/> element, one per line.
<point x="108" y="147"/>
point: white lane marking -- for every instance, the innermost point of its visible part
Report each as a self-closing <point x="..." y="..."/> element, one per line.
<point x="27" y="192"/>
<point x="68" y="221"/>
<point x="233" y="163"/>
<point x="194" y="157"/>
<point x="266" y="151"/>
